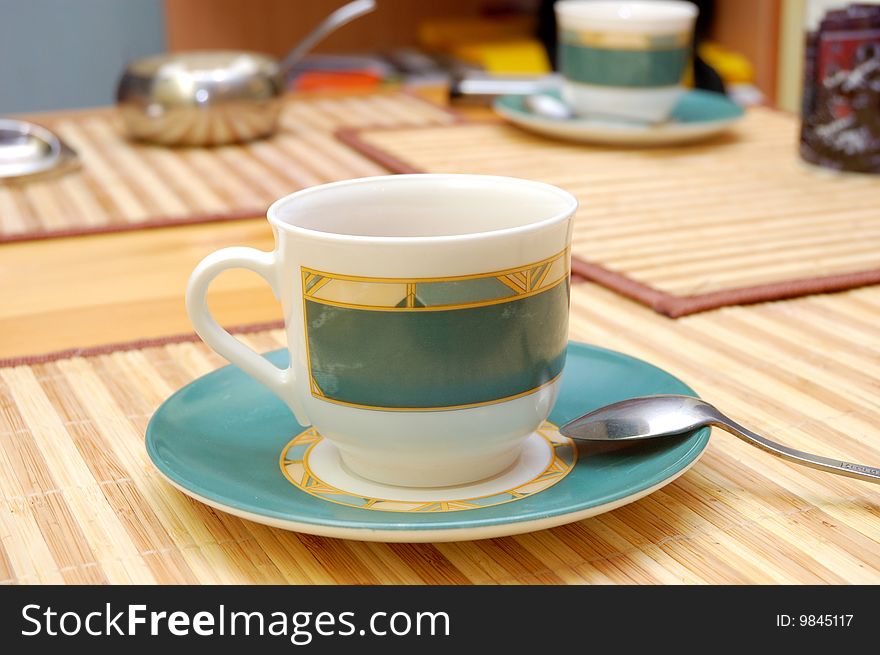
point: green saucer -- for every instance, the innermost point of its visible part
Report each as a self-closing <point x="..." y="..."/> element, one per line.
<point x="219" y="440"/>
<point x="698" y="115"/>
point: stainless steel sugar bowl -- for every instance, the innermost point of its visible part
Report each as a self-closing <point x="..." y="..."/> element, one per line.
<point x="213" y="97"/>
<point x="198" y="98"/>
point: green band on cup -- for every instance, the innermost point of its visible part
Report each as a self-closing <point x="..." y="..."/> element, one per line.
<point x="623" y="68"/>
<point x="445" y="344"/>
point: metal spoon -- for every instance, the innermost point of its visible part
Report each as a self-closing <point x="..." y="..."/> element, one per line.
<point x="663" y="416"/>
<point x="547" y="106"/>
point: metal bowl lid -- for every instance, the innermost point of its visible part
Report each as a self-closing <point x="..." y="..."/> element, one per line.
<point x="203" y="65"/>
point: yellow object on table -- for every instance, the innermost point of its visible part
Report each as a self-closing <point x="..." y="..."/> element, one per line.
<point x="519" y="56"/>
<point x="733" y="67"/>
<point x="499" y="45"/>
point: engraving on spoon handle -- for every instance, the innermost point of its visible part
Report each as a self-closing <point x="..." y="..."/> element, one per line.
<point x="858" y="471"/>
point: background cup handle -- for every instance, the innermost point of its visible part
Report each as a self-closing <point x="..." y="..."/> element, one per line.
<point x="280" y="381"/>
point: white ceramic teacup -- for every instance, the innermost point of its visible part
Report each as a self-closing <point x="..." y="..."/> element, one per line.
<point x="426" y="318"/>
<point x="624" y="59"/>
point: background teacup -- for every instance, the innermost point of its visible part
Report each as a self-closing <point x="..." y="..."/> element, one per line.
<point x="624" y="59"/>
<point x="426" y="318"/>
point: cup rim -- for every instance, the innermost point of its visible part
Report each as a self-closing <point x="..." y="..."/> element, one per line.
<point x="337" y="237"/>
<point x="653" y="10"/>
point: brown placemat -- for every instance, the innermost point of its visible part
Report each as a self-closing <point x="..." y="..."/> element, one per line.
<point x="81" y="502"/>
<point x="122" y="185"/>
<point x="737" y="219"/>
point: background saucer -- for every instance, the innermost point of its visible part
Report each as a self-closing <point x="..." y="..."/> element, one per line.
<point x="698" y="115"/>
<point x="218" y="439"/>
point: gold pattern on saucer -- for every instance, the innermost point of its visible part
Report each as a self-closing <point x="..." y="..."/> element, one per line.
<point x="294" y="462"/>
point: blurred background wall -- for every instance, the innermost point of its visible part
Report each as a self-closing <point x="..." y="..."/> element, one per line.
<point x="69" y="53"/>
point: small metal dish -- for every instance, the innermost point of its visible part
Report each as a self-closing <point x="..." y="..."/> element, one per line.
<point x="29" y="151"/>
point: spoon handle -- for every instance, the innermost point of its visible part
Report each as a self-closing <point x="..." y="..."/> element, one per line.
<point x="345" y="14"/>
<point x="858" y="471"/>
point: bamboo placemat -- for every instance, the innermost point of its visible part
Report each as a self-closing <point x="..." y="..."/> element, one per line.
<point x="736" y="219"/>
<point x="122" y="185"/>
<point x="81" y="502"/>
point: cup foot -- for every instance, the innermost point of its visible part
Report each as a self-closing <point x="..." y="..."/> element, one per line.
<point x="530" y="461"/>
<point x="426" y="472"/>
<point x="653" y="105"/>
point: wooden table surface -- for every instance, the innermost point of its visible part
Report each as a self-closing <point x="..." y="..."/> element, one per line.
<point x="804" y="370"/>
<point x="92" y="290"/>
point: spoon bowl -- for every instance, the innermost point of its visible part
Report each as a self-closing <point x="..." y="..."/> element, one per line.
<point x="652" y="417"/>
<point x="642" y="418"/>
<point x="547" y="106"/>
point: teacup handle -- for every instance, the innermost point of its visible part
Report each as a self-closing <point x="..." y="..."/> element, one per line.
<point x="280" y="381"/>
